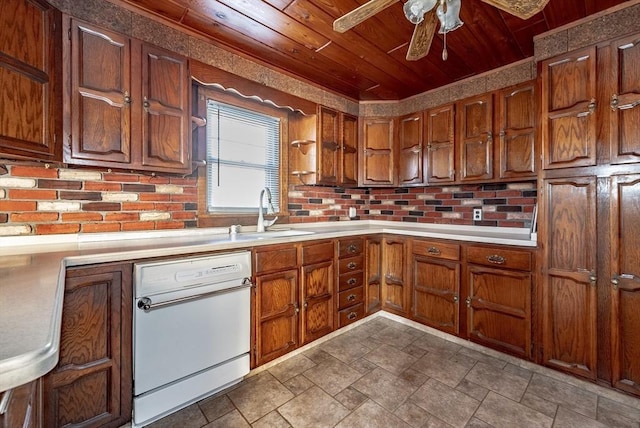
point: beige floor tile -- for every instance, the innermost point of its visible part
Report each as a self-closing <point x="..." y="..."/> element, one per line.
<point x="215" y="407"/>
<point x="345" y="349"/>
<point x="438" y="366"/>
<point x="189" y="417"/>
<point x="230" y="420"/>
<point x="540" y="404"/>
<point x="385" y="388"/>
<point x="291" y="367"/>
<point x="500" y="412"/>
<point x="618" y="415"/>
<point x="394" y="337"/>
<point x="566" y="418"/>
<point x="271" y="420"/>
<point x="351" y="398"/>
<point x="313" y="408"/>
<point x="298" y="384"/>
<point x="412" y="414"/>
<point x="473" y="390"/>
<point x="256" y="399"/>
<point x="391" y="359"/>
<point x="372" y="415"/>
<point x="332" y="376"/>
<point x="447" y="404"/>
<point x="507" y="384"/>
<point x="573" y="398"/>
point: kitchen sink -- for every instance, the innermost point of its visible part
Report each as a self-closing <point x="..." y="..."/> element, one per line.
<point x="269" y="234"/>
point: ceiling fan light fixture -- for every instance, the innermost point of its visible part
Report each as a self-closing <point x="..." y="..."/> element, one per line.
<point x="414" y="10"/>
<point x="449" y="15"/>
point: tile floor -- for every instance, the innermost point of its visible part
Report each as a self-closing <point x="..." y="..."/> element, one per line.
<point x="384" y="373"/>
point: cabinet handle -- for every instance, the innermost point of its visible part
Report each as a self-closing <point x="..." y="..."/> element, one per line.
<point x="352" y="265"/>
<point x="591" y="108"/>
<point x="614" y="102"/>
<point x="146" y="103"/>
<point x="127" y="98"/>
<point x="496" y="259"/>
<point x="352" y="315"/>
<point x="489" y="137"/>
<point x="296" y="308"/>
<point x="352" y="248"/>
<point x="615" y="282"/>
<point x="455" y="298"/>
<point x="351" y="297"/>
<point x="468" y="302"/>
<point x="351" y="281"/>
<point x="616" y="106"/>
<point x="593" y="279"/>
<point x="434" y="250"/>
<point x="306" y="304"/>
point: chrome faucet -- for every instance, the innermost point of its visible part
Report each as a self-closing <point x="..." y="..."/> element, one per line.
<point x="262" y="223"/>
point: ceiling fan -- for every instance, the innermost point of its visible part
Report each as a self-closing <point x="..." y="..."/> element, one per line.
<point x="426" y="13"/>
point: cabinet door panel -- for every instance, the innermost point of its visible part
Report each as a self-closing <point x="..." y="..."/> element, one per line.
<point x="165" y="114"/>
<point x="349" y="149"/>
<point x="378" y="153"/>
<point x="436" y="292"/>
<point x="317" y="300"/>
<point x="410" y="150"/>
<point x="440" y="166"/>
<point x="100" y="87"/>
<point x="395" y="292"/>
<point x="568" y="110"/>
<point x="373" y="285"/>
<point x="625" y="292"/>
<point x="329" y="134"/>
<point x="517" y="131"/>
<point x="569" y="263"/>
<point x="625" y="116"/>
<point x="475" y="138"/>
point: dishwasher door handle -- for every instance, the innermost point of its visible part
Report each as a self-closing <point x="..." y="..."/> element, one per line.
<point x="146" y="304"/>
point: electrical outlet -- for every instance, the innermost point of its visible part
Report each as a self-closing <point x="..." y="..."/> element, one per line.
<point x="477" y="214"/>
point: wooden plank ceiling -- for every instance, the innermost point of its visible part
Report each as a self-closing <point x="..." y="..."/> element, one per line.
<point x="367" y="62"/>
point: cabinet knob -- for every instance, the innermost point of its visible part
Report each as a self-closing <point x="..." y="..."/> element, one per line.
<point x="352" y="248"/>
<point x="146" y="103"/>
<point x="351" y="281"/>
<point x="496" y="259"/>
<point x="434" y="250"/>
<point x="352" y="265"/>
<point x="351" y="297"/>
<point x="352" y="315"/>
<point x="489" y="137"/>
<point x="296" y="308"/>
<point x="468" y="301"/>
<point x="456" y="298"/>
<point x="615" y="282"/>
<point x="306" y="305"/>
<point x="127" y="98"/>
<point x="593" y="278"/>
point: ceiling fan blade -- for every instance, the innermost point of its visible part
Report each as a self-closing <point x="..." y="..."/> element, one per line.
<point x="422" y="36"/>
<point x="523" y="9"/>
<point x="356" y="16"/>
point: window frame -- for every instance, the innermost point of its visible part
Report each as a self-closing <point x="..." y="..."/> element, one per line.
<point x="209" y="219"/>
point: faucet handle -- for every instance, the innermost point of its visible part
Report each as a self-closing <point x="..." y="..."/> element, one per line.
<point x="234" y="228"/>
<point x="269" y="223"/>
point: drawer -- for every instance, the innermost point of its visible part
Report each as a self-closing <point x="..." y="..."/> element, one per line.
<point x="350" y="280"/>
<point x="500" y="257"/>
<point x="317" y="252"/>
<point x="274" y="258"/>
<point x="351" y="264"/>
<point x="350" y="297"/>
<point x="349" y="315"/>
<point x="350" y="247"/>
<point x="440" y="250"/>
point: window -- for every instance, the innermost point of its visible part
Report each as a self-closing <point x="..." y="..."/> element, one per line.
<point x="243" y="157"/>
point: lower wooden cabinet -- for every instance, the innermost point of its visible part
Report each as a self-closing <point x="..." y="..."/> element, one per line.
<point x="23" y="406"/>
<point x="317" y="290"/>
<point x="395" y="288"/>
<point x="373" y="274"/>
<point x="92" y="383"/>
<point x="351" y="267"/>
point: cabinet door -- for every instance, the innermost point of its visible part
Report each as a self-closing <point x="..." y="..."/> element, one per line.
<point x="329" y="153"/>
<point x="92" y="382"/>
<point x="349" y="151"/>
<point x="569" y="263"/>
<point x="277" y="312"/>
<point x="378" y="154"/>
<point x="568" y="104"/>
<point x="436" y="293"/>
<point x="440" y="166"/>
<point x="317" y="300"/>
<point x="30" y="54"/>
<point x="475" y="137"/>
<point x="499" y="309"/>
<point x="625" y="291"/>
<point x="373" y="274"/>
<point x="516" y="121"/>
<point x="166" y="118"/>
<point x="624" y="115"/>
<point x="100" y="97"/>
<point x="22" y="406"/>
<point x="395" y="290"/>
<point x="410" y="150"/>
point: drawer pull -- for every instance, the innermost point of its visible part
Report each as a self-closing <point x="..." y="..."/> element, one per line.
<point x="496" y="260"/>
<point x="351" y="281"/>
<point x="352" y="249"/>
<point x="434" y="251"/>
<point x="352" y="265"/>
<point x="352" y="315"/>
<point x="351" y="297"/>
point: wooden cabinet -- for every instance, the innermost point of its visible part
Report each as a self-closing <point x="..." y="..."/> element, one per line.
<point x="373" y="274"/>
<point x="568" y="207"/>
<point x="317" y="290"/>
<point x="329" y="145"/>
<point x="499" y="298"/>
<point x="435" y="284"/>
<point x="351" y="269"/>
<point x="91" y="385"/>
<point x="474" y="118"/>
<point x="377" y="167"/>
<point x="23" y="406"/>
<point x="568" y="105"/>
<point x="395" y="287"/>
<point x="30" y="75"/>
<point x="410" y="144"/>
<point x="440" y="124"/>
<point x="277" y="306"/>
<point x="516" y="122"/>
<point x="348" y="172"/>
<point x="129" y="103"/>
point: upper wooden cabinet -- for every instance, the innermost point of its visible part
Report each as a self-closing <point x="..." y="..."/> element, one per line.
<point x="30" y="59"/>
<point x="323" y="148"/>
<point x="475" y="138"/>
<point x="129" y="103"/>
<point x="378" y="152"/>
<point x="410" y="144"/>
<point x="440" y="158"/>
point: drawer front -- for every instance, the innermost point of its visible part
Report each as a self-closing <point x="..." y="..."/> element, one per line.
<point x="350" y="297"/>
<point x="274" y="258"/>
<point x="499" y="257"/>
<point x="352" y="264"/>
<point x="317" y="252"/>
<point x="440" y="250"/>
<point x="351" y="247"/>
<point x="352" y="314"/>
<point x="350" y="280"/>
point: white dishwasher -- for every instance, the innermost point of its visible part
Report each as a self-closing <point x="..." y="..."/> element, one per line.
<point x="191" y="331"/>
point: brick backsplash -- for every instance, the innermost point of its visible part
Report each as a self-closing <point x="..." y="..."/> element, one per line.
<point x="36" y="200"/>
<point x="502" y="204"/>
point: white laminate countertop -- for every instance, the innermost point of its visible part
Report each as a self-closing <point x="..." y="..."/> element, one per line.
<point x="32" y="273"/>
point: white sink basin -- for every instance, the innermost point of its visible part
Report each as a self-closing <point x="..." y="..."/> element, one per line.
<point x="272" y="234"/>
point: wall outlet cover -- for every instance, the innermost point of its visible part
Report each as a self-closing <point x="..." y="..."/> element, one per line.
<point x="477" y="214"/>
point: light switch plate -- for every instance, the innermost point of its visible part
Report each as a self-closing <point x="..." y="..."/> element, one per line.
<point x="477" y="214"/>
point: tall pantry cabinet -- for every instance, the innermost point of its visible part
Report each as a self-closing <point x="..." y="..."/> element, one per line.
<point x="589" y="209"/>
